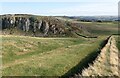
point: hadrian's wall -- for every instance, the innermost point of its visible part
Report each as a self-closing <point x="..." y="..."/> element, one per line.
<point x="106" y="64"/>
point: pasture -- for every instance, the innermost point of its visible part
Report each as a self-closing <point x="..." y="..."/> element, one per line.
<point x="32" y="56"/>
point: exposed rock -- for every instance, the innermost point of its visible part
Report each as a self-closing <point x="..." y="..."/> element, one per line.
<point x="46" y="28"/>
<point x="37" y="25"/>
<point x="27" y="24"/>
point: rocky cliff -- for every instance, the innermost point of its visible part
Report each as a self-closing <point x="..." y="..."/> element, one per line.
<point x="32" y="25"/>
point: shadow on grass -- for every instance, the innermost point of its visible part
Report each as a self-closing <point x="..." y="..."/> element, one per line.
<point x="85" y="62"/>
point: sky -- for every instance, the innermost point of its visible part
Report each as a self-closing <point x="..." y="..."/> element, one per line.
<point x="60" y="7"/>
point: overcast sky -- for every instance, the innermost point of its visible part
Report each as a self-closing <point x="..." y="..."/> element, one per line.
<point x="60" y="7"/>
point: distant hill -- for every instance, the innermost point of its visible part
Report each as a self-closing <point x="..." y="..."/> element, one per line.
<point x="57" y="26"/>
<point x="50" y="26"/>
<point x="94" y="18"/>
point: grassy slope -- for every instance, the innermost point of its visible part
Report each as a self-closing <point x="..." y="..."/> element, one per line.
<point x="118" y="42"/>
<point x="96" y="28"/>
<point x="41" y="56"/>
<point x="101" y="28"/>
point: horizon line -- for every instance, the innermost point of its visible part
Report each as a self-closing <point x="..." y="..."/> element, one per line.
<point x="52" y="15"/>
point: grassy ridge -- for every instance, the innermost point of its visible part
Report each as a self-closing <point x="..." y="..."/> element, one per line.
<point x="106" y="64"/>
<point x="45" y="57"/>
<point x="101" y="28"/>
<point x="118" y="42"/>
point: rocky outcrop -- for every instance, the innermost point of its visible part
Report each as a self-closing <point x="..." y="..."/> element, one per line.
<point x="42" y="26"/>
<point x="32" y="25"/>
<point x="45" y="27"/>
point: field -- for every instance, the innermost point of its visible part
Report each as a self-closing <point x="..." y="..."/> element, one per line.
<point x="105" y="28"/>
<point x="80" y="48"/>
<point x="32" y="56"/>
<point x="96" y="28"/>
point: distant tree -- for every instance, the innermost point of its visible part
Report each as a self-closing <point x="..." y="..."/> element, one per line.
<point x="99" y="21"/>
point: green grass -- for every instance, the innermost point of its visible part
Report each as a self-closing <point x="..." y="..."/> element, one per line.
<point x="17" y="44"/>
<point x="118" y="42"/>
<point x="96" y="28"/>
<point x="101" y="28"/>
<point x="45" y="57"/>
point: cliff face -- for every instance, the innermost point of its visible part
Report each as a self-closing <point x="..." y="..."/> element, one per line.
<point x="38" y="26"/>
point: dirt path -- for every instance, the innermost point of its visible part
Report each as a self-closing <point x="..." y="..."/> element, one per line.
<point x="33" y="37"/>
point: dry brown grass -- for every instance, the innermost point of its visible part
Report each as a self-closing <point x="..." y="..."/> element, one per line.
<point x="106" y="64"/>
